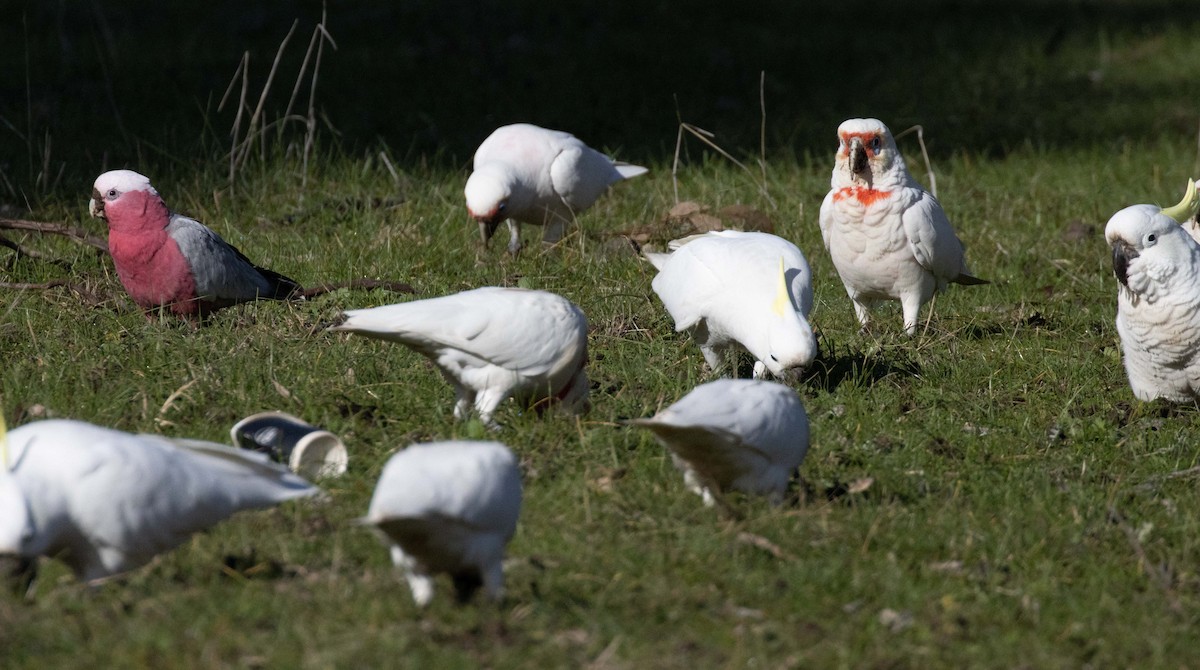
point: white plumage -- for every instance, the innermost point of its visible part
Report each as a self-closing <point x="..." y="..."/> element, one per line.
<point x="735" y="434"/>
<point x="448" y="507"/>
<point x="1157" y="264"/>
<point x="752" y="290"/>
<point x="491" y="343"/>
<point x="106" y="502"/>
<point x="527" y="174"/>
<point x="888" y="237"/>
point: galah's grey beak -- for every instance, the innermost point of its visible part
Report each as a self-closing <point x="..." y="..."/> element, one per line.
<point x="1122" y="254"/>
<point x="858" y="156"/>
<point x="96" y="205"/>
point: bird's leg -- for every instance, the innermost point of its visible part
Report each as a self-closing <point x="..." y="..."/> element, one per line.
<point x="464" y="398"/>
<point x="715" y="358"/>
<point x="487" y="401"/>
<point x="514" y="241"/>
<point x="493" y="581"/>
<point x="419" y="583"/>
<point x="863" y="313"/>
<point x="20" y="573"/>
<point x="911" y="305"/>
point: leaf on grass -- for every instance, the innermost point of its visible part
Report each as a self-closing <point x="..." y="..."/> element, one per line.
<point x="895" y="621"/>
<point x="860" y="485"/>
<point x="281" y="389"/>
<point x="763" y="543"/>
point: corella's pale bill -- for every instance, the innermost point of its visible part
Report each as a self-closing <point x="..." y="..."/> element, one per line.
<point x="491" y="343"/>
<point x="888" y="237"/>
<point x="168" y="260"/>
<point x="735" y="435"/>
<point x="1157" y="265"/>
<point x="732" y="290"/>
<point x="527" y="174"/>
<point x="448" y="508"/>
<point x="106" y="502"/>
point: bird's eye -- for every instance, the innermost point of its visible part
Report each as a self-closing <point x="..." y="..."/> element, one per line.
<point x="774" y="358"/>
<point x="112" y="193"/>
<point x="876" y="144"/>
<point x="1151" y="238"/>
<point x="502" y="208"/>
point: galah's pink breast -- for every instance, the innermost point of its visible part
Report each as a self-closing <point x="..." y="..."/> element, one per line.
<point x="153" y="270"/>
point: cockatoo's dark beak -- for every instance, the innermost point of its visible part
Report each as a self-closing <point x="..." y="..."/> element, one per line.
<point x="1122" y="254"/>
<point x="487" y="228"/>
<point x="96" y="206"/>
<point x="858" y="156"/>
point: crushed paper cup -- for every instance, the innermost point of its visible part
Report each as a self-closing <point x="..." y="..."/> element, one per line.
<point x="308" y="451"/>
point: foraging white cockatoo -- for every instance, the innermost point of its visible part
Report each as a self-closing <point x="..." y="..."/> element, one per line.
<point x="730" y="288"/>
<point x="168" y="260"/>
<point x="527" y="174"/>
<point x="106" y="502"/>
<point x="888" y="236"/>
<point x="448" y="507"/>
<point x="735" y="434"/>
<point x="491" y="343"/>
<point x="1158" y="301"/>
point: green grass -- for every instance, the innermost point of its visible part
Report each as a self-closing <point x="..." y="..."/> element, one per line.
<point x="1014" y="504"/>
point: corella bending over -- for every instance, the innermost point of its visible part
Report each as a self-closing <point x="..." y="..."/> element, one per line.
<point x="527" y="174"/>
<point x="733" y="289"/>
<point x="167" y="260"/>
<point x="106" y="502"/>
<point x="491" y="343"/>
<point x="1157" y="264"/>
<point x="888" y="237"/>
<point x="448" y="507"/>
<point x="735" y="434"/>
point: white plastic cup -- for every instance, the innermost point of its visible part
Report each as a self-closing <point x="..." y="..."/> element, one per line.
<point x="311" y="452"/>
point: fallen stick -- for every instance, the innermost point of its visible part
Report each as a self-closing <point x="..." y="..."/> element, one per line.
<point x="77" y="234"/>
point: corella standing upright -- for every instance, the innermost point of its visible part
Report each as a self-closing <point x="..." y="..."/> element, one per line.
<point x="167" y="260"/>
<point x="888" y="236"/>
<point x="527" y="174"/>
<point x="1157" y="264"/>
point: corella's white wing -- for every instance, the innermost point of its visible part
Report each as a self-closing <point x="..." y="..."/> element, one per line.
<point x="107" y="502"/>
<point x="931" y="238"/>
<point x="525" y="331"/>
<point x="744" y="435"/>
<point x="449" y="507"/>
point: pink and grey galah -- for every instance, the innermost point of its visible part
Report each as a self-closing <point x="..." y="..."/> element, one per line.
<point x="171" y="261"/>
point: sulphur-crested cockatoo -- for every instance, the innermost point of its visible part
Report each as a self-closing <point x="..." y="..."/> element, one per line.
<point x="448" y="507"/>
<point x="729" y="288"/>
<point x="888" y="236"/>
<point x="735" y="434"/>
<point x="1158" y="301"/>
<point x="106" y="502"/>
<point x="491" y="343"/>
<point x="527" y="174"/>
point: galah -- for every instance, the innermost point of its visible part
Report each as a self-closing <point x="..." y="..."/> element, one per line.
<point x="733" y="289"/>
<point x="106" y="502"/>
<point x="1157" y="264"/>
<point x="527" y="174"/>
<point x="448" y="507"/>
<point x="735" y="435"/>
<point x="888" y="236"/>
<point x="167" y="260"/>
<point x="491" y="343"/>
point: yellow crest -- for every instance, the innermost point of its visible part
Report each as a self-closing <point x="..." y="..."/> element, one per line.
<point x="1186" y="209"/>
<point x="782" y="300"/>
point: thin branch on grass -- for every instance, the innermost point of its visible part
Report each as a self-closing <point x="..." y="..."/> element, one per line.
<point x="367" y="284"/>
<point x="920" y="130"/>
<point x="78" y="234"/>
<point x="1159" y="575"/>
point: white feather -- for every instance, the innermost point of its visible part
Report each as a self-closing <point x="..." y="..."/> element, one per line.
<point x="448" y="507"/>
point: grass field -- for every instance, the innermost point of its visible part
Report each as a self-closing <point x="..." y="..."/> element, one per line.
<point x="986" y="494"/>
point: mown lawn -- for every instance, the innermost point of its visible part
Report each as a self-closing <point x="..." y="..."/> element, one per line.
<point x="987" y="493"/>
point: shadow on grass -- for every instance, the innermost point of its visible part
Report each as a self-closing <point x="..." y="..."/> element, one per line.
<point x="861" y="369"/>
